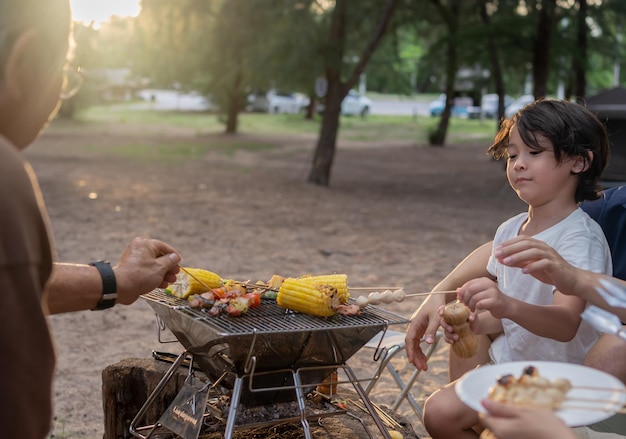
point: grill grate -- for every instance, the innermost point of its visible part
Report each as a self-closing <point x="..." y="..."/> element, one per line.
<point x="269" y="318"/>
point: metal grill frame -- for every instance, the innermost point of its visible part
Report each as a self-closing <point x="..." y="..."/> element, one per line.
<point x="269" y="318"/>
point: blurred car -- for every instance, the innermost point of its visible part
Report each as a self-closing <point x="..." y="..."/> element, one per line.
<point x="276" y="102"/>
<point x="460" y="108"/>
<point x="517" y="105"/>
<point x="488" y="106"/>
<point x="355" y="104"/>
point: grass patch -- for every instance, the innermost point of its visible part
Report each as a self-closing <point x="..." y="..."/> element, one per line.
<point x="375" y="129"/>
<point x="176" y="151"/>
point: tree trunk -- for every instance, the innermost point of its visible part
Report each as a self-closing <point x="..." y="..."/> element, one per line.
<point x="234" y="107"/>
<point x="580" y="56"/>
<point x="327" y="141"/>
<point x="337" y="90"/>
<point x="309" y="111"/>
<point x="494" y="58"/>
<point x="541" y="48"/>
<point x="438" y="138"/>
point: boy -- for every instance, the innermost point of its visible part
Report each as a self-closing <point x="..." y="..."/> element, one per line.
<point x="555" y="153"/>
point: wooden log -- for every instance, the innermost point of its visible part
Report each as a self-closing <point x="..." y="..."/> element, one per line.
<point x="126" y="387"/>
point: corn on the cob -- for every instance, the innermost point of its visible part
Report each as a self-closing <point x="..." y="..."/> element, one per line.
<point x="339" y="281"/>
<point x="186" y="285"/>
<point x="307" y="297"/>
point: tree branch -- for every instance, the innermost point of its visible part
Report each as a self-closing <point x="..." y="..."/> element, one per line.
<point x="371" y="46"/>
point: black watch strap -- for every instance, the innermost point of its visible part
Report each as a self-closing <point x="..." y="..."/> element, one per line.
<point x="109" y="286"/>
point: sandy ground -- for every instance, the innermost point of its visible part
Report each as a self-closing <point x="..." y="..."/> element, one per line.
<point x="394" y="214"/>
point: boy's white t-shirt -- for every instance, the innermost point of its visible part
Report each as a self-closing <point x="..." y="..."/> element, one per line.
<point x="581" y="242"/>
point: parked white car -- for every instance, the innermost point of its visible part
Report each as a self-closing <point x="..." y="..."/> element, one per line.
<point x="517" y="105"/>
<point x="275" y="102"/>
<point x="355" y="104"/>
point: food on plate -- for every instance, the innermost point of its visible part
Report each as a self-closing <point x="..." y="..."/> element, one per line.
<point x="456" y="315"/>
<point x="530" y="390"/>
<point x="304" y="296"/>
<point x="194" y="281"/>
<point x="339" y="281"/>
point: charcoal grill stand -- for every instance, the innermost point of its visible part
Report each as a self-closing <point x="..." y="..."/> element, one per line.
<point x="294" y="345"/>
<point x="298" y="387"/>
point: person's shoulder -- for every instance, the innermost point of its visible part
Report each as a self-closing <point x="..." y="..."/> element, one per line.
<point x="579" y="223"/>
<point x="614" y="196"/>
<point x="609" y="207"/>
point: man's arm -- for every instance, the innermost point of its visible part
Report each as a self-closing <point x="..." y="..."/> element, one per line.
<point x="144" y="265"/>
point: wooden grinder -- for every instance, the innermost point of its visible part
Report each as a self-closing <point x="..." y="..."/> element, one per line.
<point x="456" y="315"/>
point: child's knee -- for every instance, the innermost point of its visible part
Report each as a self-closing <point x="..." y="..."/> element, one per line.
<point x="437" y="410"/>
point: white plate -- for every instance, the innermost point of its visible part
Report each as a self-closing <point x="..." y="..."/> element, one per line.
<point x="609" y="393"/>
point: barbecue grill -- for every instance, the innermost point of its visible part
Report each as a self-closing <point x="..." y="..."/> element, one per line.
<point x="269" y="354"/>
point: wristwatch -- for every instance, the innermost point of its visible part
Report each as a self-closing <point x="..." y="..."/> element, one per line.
<point x="109" y="286"/>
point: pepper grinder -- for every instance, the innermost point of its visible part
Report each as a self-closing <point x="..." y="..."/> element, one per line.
<point x="456" y="315"/>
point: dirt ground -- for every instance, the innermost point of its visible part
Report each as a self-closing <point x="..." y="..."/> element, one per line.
<point x="396" y="214"/>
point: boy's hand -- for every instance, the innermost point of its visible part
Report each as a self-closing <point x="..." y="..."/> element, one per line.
<point x="483" y="294"/>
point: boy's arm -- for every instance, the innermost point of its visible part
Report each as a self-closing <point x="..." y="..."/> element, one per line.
<point x="558" y="321"/>
<point x="485" y="323"/>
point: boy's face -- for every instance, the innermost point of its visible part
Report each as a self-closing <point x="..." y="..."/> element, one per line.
<point x="536" y="176"/>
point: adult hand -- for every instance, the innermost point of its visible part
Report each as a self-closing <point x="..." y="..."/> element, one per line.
<point x="507" y="422"/>
<point x="538" y="259"/>
<point x="144" y="265"/>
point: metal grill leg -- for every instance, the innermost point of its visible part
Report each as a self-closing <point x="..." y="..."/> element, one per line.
<point x="158" y="389"/>
<point x="234" y="405"/>
<point x="366" y="401"/>
<point x="302" y="405"/>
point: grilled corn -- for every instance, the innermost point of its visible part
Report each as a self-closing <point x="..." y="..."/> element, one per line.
<point x="186" y="285"/>
<point x="307" y="297"/>
<point x="339" y="281"/>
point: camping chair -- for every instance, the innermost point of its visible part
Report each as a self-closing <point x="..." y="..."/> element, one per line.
<point x="391" y="345"/>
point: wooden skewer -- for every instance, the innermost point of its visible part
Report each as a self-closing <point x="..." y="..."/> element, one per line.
<point x="411" y="294"/>
<point x="590" y="400"/>
<point x="621" y="410"/>
<point x="601" y="389"/>
<point x="432" y="292"/>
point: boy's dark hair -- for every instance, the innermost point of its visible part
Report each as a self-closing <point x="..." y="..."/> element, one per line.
<point x="573" y="131"/>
